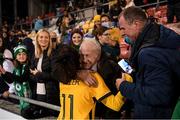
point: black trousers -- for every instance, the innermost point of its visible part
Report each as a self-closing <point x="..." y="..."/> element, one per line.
<point x="173" y="10"/>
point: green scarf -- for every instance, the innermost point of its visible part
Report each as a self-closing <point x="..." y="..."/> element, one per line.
<point x="22" y="89"/>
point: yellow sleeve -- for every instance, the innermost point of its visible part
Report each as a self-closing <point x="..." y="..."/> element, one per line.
<point x="114" y="102"/>
<point x="127" y="77"/>
<point x="101" y="91"/>
<point x="104" y="95"/>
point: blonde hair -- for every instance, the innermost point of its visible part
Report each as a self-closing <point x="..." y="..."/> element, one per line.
<point x="38" y="50"/>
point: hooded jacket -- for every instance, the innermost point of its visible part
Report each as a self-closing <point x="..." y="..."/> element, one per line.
<point x="156" y="59"/>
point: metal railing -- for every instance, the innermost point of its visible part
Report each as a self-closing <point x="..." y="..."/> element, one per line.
<point x="39" y="103"/>
<point x="154" y="4"/>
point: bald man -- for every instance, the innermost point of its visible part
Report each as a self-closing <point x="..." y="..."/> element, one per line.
<point x="92" y="58"/>
<point x="90" y="51"/>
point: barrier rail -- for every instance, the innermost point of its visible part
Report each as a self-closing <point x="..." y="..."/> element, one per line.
<point x="39" y="103"/>
<point x="152" y="4"/>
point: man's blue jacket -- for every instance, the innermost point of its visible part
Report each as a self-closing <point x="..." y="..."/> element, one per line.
<point x="156" y="60"/>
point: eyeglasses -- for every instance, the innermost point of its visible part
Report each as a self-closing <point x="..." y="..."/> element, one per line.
<point x="97" y="21"/>
<point x="106" y="34"/>
<point x="76" y="37"/>
<point x="103" y="21"/>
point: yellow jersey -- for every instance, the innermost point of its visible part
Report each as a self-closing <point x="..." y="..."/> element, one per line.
<point x="77" y="99"/>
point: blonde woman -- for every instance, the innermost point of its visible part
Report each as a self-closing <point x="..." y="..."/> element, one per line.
<point x="46" y="89"/>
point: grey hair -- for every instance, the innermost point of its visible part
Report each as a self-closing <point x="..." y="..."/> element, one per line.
<point x="133" y="13"/>
<point x="94" y="42"/>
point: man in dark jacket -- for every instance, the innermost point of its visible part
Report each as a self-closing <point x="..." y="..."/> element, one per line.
<point x="155" y="57"/>
<point x="94" y="59"/>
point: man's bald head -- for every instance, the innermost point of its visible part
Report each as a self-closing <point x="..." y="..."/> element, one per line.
<point x="91" y="44"/>
<point x="90" y="51"/>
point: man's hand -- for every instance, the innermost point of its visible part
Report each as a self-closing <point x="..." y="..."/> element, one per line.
<point x="125" y="77"/>
<point x="118" y="82"/>
<point x="34" y="72"/>
<point x="5" y="94"/>
<point x="85" y="75"/>
<point x="2" y="71"/>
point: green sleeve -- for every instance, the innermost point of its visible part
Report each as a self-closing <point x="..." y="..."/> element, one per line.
<point x="176" y="113"/>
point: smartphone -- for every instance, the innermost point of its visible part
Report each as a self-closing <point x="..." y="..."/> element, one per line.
<point x="125" y="66"/>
